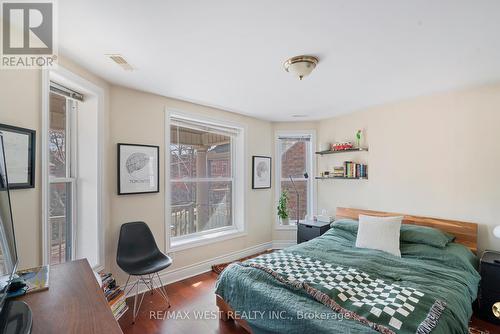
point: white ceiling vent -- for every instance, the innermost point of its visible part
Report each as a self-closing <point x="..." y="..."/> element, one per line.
<point x="118" y="59"/>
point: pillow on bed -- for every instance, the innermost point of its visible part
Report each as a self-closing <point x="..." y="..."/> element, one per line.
<point x="409" y="233"/>
<point x="381" y="233"/>
<point x="425" y="235"/>
<point x="349" y="225"/>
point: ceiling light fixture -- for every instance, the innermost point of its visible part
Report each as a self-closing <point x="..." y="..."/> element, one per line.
<point x="301" y="66"/>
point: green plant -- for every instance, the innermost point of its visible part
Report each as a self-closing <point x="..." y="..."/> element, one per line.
<point x="283" y="205"/>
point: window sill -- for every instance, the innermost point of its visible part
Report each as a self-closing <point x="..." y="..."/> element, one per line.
<point x="201" y="240"/>
<point x="289" y="227"/>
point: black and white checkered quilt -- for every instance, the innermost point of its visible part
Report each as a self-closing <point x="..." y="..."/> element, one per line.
<point x="383" y="305"/>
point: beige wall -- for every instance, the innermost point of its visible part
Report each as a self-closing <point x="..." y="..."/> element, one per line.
<point x="138" y="117"/>
<point x="134" y="117"/>
<point x="437" y="156"/>
<point x="20" y="105"/>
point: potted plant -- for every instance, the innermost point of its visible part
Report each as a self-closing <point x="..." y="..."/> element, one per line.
<point x="283" y="208"/>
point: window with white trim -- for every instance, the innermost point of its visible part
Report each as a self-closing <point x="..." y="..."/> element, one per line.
<point x="205" y="167"/>
<point x="62" y="177"/>
<point x="70" y="171"/>
<point x="294" y="169"/>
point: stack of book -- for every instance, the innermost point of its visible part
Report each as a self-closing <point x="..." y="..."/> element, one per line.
<point x="338" y="171"/>
<point x="114" y="295"/>
<point x="355" y="170"/>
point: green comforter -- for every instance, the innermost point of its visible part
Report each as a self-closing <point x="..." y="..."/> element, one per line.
<point x="270" y="306"/>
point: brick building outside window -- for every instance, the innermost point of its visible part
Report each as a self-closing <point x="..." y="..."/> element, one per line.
<point x="294" y="154"/>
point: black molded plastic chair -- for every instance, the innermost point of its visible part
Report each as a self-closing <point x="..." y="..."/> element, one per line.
<point x="138" y="255"/>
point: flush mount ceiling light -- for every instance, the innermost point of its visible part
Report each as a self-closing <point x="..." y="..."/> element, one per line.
<point x="300" y="66"/>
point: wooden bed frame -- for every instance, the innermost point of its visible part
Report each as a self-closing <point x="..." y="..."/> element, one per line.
<point x="465" y="232"/>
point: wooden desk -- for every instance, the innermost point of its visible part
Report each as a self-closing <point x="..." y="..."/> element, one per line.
<point x="74" y="303"/>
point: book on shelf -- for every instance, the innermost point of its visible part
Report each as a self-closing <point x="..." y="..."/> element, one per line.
<point x="114" y="295"/>
<point x="355" y="170"/>
<point x="338" y="171"/>
<point x="122" y="312"/>
<point x="118" y="306"/>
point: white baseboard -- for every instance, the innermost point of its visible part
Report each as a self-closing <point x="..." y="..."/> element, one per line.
<point x="280" y="244"/>
<point x="179" y="274"/>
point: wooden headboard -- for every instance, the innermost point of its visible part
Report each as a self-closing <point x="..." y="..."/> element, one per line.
<point x="465" y="233"/>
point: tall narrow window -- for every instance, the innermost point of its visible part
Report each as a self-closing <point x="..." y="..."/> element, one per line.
<point x="294" y="154"/>
<point x="203" y="177"/>
<point x="61" y="177"/>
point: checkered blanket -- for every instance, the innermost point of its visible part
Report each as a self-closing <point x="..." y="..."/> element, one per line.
<point x="384" y="306"/>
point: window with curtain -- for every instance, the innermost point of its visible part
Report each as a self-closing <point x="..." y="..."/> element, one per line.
<point x="294" y="154"/>
<point x="202" y="178"/>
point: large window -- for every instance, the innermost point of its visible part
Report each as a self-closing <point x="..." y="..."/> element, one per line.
<point x="203" y="176"/>
<point x="61" y="177"/>
<point x="294" y="155"/>
<point x="71" y="143"/>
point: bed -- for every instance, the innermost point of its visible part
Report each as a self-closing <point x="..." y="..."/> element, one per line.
<point x="428" y="290"/>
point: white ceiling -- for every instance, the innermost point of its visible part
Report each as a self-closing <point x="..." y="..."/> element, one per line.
<point x="229" y="54"/>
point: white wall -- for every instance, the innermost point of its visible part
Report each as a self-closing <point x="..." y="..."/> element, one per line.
<point x="434" y="156"/>
<point x="87" y="234"/>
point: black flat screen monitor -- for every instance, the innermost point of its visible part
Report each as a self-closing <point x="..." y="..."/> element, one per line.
<point x="8" y="254"/>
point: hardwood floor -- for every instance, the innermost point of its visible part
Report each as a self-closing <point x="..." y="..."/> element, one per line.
<point x="192" y="297"/>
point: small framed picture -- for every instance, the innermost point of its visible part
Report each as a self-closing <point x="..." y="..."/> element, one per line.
<point x="19" y="147"/>
<point x="261" y="172"/>
<point x="138" y="169"/>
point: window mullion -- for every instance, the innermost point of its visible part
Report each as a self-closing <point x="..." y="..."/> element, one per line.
<point x="61" y="179"/>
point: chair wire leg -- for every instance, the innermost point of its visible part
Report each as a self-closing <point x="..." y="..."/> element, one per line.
<point x="149" y="283"/>
<point x="137" y="308"/>
<point x="135" y="302"/>
<point x="125" y="287"/>
<point x="151" y="287"/>
<point x="163" y="290"/>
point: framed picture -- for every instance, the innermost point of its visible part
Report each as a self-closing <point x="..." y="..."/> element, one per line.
<point x="19" y="147"/>
<point x="261" y="172"/>
<point x="138" y="169"/>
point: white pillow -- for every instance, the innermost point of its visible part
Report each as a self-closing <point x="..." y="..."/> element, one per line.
<point x="380" y="233"/>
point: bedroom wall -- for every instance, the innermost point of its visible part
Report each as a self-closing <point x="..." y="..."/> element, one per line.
<point x="138" y="117"/>
<point x="135" y="117"/>
<point x="20" y="105"/>
<point x="20" y="98"/>
<point x="434" y="156"/>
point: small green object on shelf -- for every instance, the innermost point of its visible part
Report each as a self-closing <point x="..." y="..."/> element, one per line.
<point x="359" y="133"/>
